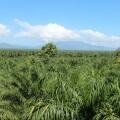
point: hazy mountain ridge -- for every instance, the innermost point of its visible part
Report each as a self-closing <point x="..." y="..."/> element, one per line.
<point x="64" y="45"/>
<point x="77" y="45"/>
<point x="10" y="46"/>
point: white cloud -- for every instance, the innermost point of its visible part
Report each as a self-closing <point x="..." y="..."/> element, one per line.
<point x="99" y="39"/>
<point x="4" y="31"/>
<point x="47" y="32"/>
<point x="55" y="32"/>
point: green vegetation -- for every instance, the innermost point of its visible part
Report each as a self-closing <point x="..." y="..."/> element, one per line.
<point x="49" y="50"/>
<point x="70" y="85"/>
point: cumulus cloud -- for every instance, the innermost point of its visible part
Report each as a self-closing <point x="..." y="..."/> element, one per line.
<point x="4" y="31"/>
<point x="55" y="32"/>
<point x="47" y="32"/>
<point x="99" y="39"/>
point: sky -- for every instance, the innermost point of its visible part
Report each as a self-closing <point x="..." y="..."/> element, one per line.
<point x="33" y="22"/>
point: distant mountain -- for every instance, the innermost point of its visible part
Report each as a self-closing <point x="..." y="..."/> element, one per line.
<point x="62" y="45"/>
<point x="9" y="46"/>
<point x="77" y="45"/>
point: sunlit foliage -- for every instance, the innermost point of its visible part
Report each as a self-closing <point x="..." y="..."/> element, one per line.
<point x="73" y="85"/>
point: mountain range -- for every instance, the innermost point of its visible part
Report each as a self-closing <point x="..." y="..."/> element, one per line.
<point x="62" y="45"/>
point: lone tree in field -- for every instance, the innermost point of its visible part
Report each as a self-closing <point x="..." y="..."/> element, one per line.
<point x="118" y="52"/>
<point x="49" y="49"/>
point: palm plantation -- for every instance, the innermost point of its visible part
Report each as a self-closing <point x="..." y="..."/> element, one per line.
<point x="59" y="85"/>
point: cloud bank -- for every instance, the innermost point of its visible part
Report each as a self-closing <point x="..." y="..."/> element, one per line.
<point x="4" y="31"/>
<point x="99" y="39"/>
<point x="50" y="32"/>
<point x="54" y="32"/>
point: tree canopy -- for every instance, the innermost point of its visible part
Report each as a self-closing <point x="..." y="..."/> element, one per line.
<point x="49" y="49"/>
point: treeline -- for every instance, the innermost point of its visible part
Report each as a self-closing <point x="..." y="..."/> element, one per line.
<point x="16" y="53"/>
<point x="62" y="53"/>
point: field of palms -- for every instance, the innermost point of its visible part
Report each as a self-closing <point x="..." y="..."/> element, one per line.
<point x="73" y="85"/>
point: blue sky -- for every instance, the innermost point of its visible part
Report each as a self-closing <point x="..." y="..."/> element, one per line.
<point x="31" y="22"/>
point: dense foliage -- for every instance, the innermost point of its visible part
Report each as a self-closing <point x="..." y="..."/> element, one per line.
<point x="49" y="49"/>
<point x="74" y="85"/>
